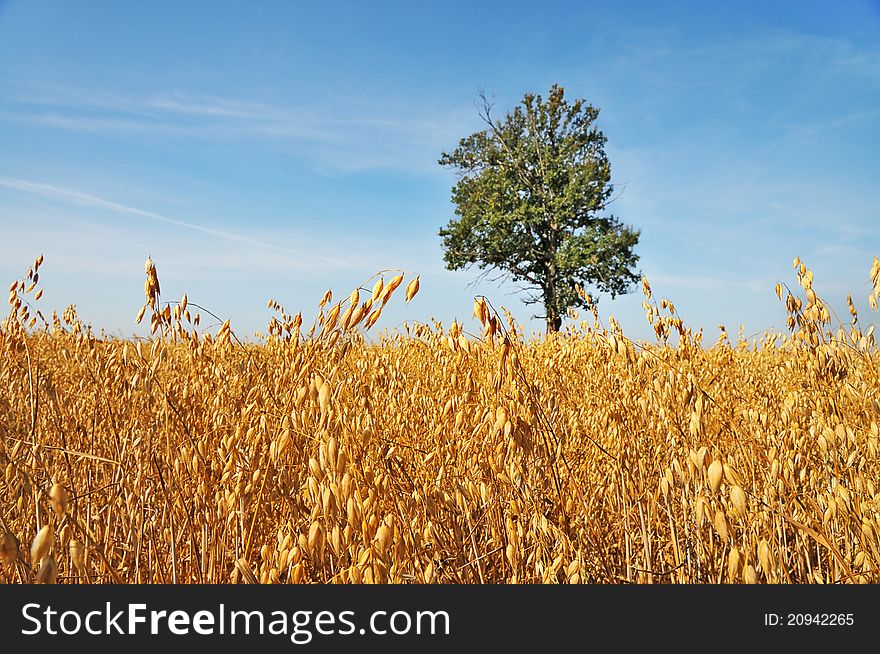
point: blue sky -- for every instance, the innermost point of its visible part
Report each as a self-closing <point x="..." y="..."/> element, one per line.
<point x="277" y="149"/>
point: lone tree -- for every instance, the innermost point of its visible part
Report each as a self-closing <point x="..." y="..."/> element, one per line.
<point x="529" y="200"/>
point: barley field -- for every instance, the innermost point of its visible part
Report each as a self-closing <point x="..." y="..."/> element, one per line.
<point x="331" y="453"/>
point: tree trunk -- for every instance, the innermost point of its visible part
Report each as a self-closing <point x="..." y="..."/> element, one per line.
<point x="554" y="323"/>
<point x="554" y="320"/>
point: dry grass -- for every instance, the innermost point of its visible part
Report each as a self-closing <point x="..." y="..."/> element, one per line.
<point x="436" y="456"/>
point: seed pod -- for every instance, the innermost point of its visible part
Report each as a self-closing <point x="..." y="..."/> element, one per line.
<point x="412" y="288"/>
<point x="332" y="451"/>
<point x="716" y="471"/>
<point x="352" y="513"/>
<point x="282" y="442"/>
<point x="765" y="557"/>
<point x="42" y="544"/>
<point x="324" y="397"/>
<point x="328" y="503"/>
<point x="512" y="555"/>
<point x="373" y="317"/>
<point x="58" y="496"/>
<point x="336" y="540"/>
<point x="731" y="475"/>
<point x="738" y="500"/>
<point x="76" y="553"/>
<point x="720" y="523"/>
<point x="733" y="563"/>
<point x="479" y="310"/>
<point x="377" y="289"/>
<point x="316" y="540"/>
<point x="383" y="538"/>
<point x="396" y="281"/>
<point x="8" y="548"/>
<point x="48" y="572"/>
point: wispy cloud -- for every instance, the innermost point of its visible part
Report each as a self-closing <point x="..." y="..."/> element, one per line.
<point x="352" y="134"/>
<point x="729" y="65"/>
<point x="87" y="200"/>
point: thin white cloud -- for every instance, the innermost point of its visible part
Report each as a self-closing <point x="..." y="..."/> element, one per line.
<point x="87" y="200"/>
<point x="145" y="105"/>
<point x="352" y="135"/>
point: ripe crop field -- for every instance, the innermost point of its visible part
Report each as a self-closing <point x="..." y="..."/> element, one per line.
<point x="430" y="455"/>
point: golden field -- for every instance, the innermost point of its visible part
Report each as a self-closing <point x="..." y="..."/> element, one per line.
<point x="430" y="455"/>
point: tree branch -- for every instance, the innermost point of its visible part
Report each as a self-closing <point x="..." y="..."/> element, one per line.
<point x="487" y="118"/>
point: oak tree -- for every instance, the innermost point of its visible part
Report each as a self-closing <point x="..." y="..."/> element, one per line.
<point x="531" y="204"/>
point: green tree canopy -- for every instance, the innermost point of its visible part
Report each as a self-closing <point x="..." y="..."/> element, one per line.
<point x="530" y="199"/>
